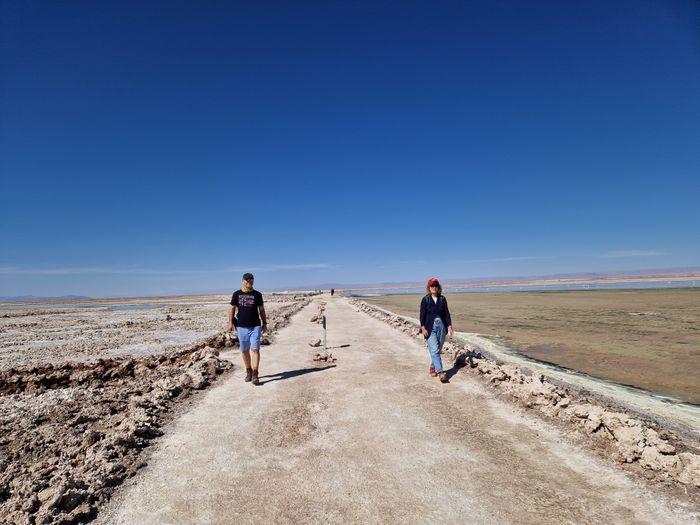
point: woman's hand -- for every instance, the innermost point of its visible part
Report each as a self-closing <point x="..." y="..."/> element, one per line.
<point x="424" y="330"/>
<point x="451" y="331"/>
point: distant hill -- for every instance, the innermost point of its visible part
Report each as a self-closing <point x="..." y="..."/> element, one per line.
<point x="689" y="272"/>
<point x="38" y="299"/>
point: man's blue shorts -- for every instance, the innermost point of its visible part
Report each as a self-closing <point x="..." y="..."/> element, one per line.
<point x="249" y="338"/>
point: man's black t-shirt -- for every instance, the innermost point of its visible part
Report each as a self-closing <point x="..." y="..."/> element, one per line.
<point x="247" y="305"/>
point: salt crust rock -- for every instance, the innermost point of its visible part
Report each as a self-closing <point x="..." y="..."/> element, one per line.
<point x="324" y="356"/>
<point x="690" y="471"/>
<point x="70" y="433"/>
<point x="318" y="317"/>
<point x="634" y="441"/>
<point x="78" y="428"/>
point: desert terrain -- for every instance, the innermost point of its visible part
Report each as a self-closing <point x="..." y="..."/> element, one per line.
<point x="371" y="438"/>
<point x="86" y="388"/>
<point x="135" y="411"/>
<point x="649" y="339"/>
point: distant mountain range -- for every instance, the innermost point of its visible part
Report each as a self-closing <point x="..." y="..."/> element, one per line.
<point x="39" y="299"/>
<point x="691" y="272"/>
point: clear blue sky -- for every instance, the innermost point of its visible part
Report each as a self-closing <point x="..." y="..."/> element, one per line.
<point x="161" y="147"/>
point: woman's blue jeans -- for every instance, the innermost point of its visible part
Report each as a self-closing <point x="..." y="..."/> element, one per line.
<point x="435" y="342"/>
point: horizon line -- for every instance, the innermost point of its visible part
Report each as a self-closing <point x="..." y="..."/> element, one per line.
<point x="682" y="273"/>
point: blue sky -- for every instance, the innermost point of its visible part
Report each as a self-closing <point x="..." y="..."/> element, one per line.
<point x="165" y="147"/>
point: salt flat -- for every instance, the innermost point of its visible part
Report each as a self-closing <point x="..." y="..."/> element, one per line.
<point x="645" y="338"/>
<point x="101" y="329"/>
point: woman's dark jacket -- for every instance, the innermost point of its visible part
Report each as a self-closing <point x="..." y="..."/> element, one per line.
<point x="429" y="310"/>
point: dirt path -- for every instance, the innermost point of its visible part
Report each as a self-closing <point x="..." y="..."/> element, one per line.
<point x="371" y="440"/>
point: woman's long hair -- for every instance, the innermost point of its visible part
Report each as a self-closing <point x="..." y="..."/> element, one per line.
<point x="427" y="289"/>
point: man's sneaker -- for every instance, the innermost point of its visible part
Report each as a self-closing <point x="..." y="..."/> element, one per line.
<point x="256" y="381"/>
<point x="432" y="372"/>
<point x="248" y="374"/>
<point x="443" y="377"/>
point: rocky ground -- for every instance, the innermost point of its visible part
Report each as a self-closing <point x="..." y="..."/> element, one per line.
<point x="73" y="430"/>
<point x="641" y="446"/>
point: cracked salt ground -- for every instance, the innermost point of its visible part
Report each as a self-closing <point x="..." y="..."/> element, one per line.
<point x="372" y="439"/>
<point x="72" y="432"/>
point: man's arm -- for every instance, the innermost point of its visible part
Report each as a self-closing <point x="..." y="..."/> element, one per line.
<point x="263" y="317"/>
<point x="231" y="313"/>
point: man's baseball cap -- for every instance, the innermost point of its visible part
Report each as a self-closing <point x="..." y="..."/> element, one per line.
<point x="433" y="281"/>
<point x="248" y="276"/>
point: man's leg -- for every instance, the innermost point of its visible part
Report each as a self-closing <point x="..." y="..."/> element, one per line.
<point x="255" y="351"/>
<point x="255" y="358"/>
<point x="244" y="342"/>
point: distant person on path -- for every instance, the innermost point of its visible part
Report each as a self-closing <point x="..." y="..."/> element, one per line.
<point x="435" y="321"/>
<point x="332" y="292"/>
<point x="249" y="303"/>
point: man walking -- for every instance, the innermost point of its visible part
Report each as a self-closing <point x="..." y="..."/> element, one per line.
<point x="249" y="303"/>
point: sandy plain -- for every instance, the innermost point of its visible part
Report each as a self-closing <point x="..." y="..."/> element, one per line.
<point x="649" y="339"/>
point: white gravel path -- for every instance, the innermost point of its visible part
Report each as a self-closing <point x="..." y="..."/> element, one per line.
<point x="371" y="440"/>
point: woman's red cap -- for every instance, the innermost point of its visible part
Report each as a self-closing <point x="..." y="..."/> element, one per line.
<point x="433" y="281"/>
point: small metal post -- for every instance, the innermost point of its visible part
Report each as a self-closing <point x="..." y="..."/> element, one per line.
<point x="325" y="349"/>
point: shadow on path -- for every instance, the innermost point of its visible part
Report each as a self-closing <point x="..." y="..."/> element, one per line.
<point x="292" y="373"/>
<point x="468" y="361"/>
<point x="452" y="371"/>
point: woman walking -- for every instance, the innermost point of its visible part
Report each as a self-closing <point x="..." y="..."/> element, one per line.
<point x="435" y="321"/>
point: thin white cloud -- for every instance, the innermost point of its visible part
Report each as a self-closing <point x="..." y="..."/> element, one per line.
<point x="506" y="259"/>
<point x="12" y="270"/>
<point x="416" y="262"/>
<point x="630" y="253"/>
<point x="278" y="267"/>
<point x="469" y="261"/>
<point x="308" y="266"/>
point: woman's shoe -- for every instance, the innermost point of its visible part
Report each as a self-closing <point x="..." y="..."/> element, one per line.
<point x="256" y="381"/>
<point x="443" y="377"/>
<point x="432" y="372"/>
<point x="248" y="374"/>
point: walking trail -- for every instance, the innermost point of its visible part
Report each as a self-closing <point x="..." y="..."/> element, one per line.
<point x="372" y="439"/>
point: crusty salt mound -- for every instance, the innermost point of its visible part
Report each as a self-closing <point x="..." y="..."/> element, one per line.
<point x="318" y="317"/>
<point x="72" y="432"/>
